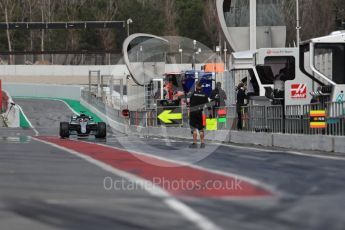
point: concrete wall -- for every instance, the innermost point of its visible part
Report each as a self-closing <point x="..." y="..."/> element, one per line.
<point x="40" y="90"/>
<point x="59" y="70"/>
<point x="288" y="141"/>
<point x="77" y="71"/>
<point x="305" y="142"/>
<point x="263" y="139"/>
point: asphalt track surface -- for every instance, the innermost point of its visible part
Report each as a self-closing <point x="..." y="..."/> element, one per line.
<point x="45" y="187"/>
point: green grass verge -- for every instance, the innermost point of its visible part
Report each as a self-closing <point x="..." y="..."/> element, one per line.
<point x="79" y="108"/>
<point x="24" y="123"/>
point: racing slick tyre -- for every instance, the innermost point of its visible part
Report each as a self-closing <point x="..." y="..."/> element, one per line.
<point x="64" y="129"/>
<point x="101" y="130"/>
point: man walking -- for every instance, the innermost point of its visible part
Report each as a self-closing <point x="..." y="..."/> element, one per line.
<point x="198" y="100"/>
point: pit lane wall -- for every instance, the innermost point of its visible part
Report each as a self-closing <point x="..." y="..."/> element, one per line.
<point x="43" y="90"/>
<point x="289" y="141"/>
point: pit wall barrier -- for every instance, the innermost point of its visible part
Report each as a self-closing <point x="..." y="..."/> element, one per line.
<point x="58" y="70"/>
<point x="42" y="90"/>
<point x="77" y="70"/>
<point x="11" y="115"/>
<point x="289" y="141"/>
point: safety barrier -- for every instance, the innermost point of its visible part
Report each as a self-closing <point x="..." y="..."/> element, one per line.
<point x="295" y="119"/>
<point x="281" y="130"/>
<point x="149" y="118"/>
<point x="43" y="90"/>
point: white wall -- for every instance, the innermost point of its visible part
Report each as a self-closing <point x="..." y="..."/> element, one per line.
<point x="41" y="90"/>
<point x="69" y="70"/>
<point x="60" y="70"/>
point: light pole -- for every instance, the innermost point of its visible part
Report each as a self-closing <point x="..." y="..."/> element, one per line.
<point x="129" y="21"/>
<point x="181" y="53"/>
<point x="225" y="57"/>
<point x="140" y="52"/>
<point x="297" y="23"/>
<point x="194" y="51"/>
<point x="218" y="52"/>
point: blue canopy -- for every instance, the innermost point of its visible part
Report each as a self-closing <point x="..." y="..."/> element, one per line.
<point x="206" y="79"/>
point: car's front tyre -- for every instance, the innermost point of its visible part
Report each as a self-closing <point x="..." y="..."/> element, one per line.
<point x="64" y="130"/>
<point x="101" y="130"/>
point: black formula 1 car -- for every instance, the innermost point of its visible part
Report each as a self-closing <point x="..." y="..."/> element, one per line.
<point x="83" y="126"/>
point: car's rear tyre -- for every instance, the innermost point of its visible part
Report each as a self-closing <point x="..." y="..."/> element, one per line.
<point x="64" y="129"/>
<point x="101" y="130"/>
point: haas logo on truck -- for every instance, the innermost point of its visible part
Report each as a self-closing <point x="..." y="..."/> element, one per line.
<point x="298" y="91"/>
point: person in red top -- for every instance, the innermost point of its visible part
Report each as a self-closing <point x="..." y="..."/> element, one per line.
<point x="169" y="91"/>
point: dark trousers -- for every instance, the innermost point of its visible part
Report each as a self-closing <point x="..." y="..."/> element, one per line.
<point x="239" y="121"/>
<point x="239" y="116"/>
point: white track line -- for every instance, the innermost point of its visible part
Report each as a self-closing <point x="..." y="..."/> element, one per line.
<point x="273" y="151"/>
<point x="315" y="156"/>
<point x="30" y="124"/>
<point x="188" y="213"/>
<point x="75" y="112"/>
<point x="284" y="151"/>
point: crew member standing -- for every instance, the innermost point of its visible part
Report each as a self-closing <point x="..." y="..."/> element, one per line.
<point x="218" y="97"/>
<point x="241" y="95"/>
<point x="198" y="101"/>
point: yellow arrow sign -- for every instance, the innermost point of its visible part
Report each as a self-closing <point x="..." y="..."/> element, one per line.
<point x="166" y="116"/>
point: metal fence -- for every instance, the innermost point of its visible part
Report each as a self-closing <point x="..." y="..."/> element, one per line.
<point x="295" y="119"/>
<point x="272" y="119"/>
<point x="149" y="118"/>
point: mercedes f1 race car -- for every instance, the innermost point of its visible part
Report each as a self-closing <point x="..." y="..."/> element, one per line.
<point x="83" y="126"/>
